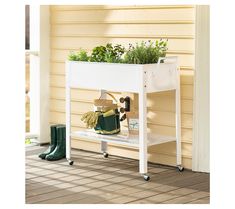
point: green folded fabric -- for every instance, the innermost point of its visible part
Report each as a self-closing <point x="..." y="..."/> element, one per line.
<point x="108" y="122"/>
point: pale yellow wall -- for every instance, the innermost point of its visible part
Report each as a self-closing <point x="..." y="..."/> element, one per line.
<point x="74" y="27"/>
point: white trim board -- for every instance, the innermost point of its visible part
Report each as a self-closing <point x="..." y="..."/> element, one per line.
<point x="201" y="110"/>
<point x="44" y="73"/>
<point x="39" y="73"/>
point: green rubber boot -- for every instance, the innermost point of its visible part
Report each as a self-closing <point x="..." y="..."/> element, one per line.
<point x="53" y="143"/>
<point x="60" y="150"/>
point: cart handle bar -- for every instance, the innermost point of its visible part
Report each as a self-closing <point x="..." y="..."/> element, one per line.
<point x="174" y="59"/>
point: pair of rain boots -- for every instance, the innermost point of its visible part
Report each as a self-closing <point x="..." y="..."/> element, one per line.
<point x="57" y="148"/>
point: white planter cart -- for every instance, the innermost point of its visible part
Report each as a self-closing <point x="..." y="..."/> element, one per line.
<point x="141" y="79"/>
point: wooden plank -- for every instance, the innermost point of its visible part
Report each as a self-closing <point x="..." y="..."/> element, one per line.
<point x="154" y="36"/>
<point x="89" y="95"/>
<point x="156" y="199"/>
<point x="77" y="21"/>
<point x="163" y="104"/>
<point x="203" y="186"/>
<point x="76" y="95"/>
<point x="47" y="196"/>
<point x="123" y="29"/>
<point x="163" y="191"/>
<point x="48" y="189"/>
<point x="64" y="199"/>
<point x="205" y="200"/>
<point x="187" y="198"/>
<point x="92" y="197"/>
<point x="117" y="16"/>
<point x="186" y="182"/>
<point x="74" y="43"/>
<point x="58" y="92"/>
<point x="114" y="7"/>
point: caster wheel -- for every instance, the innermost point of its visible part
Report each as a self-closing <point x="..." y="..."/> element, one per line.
<point x="180" y="168"/>
<point x="146" y="177"/>
<point x="105" y="154"/>
<point x="122" y="100"/>
<point x="70" y="162"/>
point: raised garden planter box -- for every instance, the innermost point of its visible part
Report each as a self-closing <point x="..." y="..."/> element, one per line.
<point x="141" y="79"/>
<point x="123" y="77"/>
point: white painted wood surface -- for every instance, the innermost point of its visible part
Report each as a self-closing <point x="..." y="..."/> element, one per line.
<point x="178" y="121"/>
<point x="124" y="77"/>
<point x="201" y="121"/>
<point x="104" y="144"/>
<point x="123" y="138"/>
<point x="68" y="112"/>
<point x="39" y="73"/>
<point x="44" y="73"/>
<point x="34" y="95"/>
<point x="99" y="76"/>
<point x="143" y="158"/>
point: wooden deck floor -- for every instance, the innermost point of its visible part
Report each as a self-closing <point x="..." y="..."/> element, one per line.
<point x="95" y="180"/>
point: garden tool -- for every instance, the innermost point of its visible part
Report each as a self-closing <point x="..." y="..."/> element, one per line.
<point x="60" y="150"/>
<point x="105" y="117"/>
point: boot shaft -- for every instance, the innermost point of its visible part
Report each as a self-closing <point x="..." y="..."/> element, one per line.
<point x="61" y="135"/>
<point x="54" y="133"/>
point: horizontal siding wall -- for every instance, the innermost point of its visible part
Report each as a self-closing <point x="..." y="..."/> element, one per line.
<point x="75" y="27"/>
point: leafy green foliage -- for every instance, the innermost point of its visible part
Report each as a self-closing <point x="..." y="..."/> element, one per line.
<point x="83" y="55"/>
<point x="79" y="56"/>
<point x="141" y="53"/>
<point x="98" y="54"/>
<point x="108" y="53"/>
<point x="145" y="52"/>
<point x="114" y="54"/>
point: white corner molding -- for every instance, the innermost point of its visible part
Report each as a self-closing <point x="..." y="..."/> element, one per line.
<point x="34" y="95"/>
<point x="44" y="73"/>
<point x="201" y="112"/>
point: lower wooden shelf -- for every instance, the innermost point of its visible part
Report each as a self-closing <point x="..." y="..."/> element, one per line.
<point x="123" y="138"/>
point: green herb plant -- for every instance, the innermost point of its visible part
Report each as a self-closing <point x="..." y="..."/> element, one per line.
<point x="141" y="53"/>
<point x="114" y="53"/>
<point x="98" y="54"/>
<point x="145" y="52"/>
<point x="79" y="56"/>
<point x="108" y="53"/>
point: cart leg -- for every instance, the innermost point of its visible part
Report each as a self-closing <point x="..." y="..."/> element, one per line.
<point x="68" y="121"/>
<point x="104" y="149"/>
<point x="104" y="145"/>
<point x="178" y="125"/>
<point x="143" y="161"/>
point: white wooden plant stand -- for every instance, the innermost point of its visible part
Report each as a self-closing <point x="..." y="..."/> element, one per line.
<point x="141" y="79"/>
